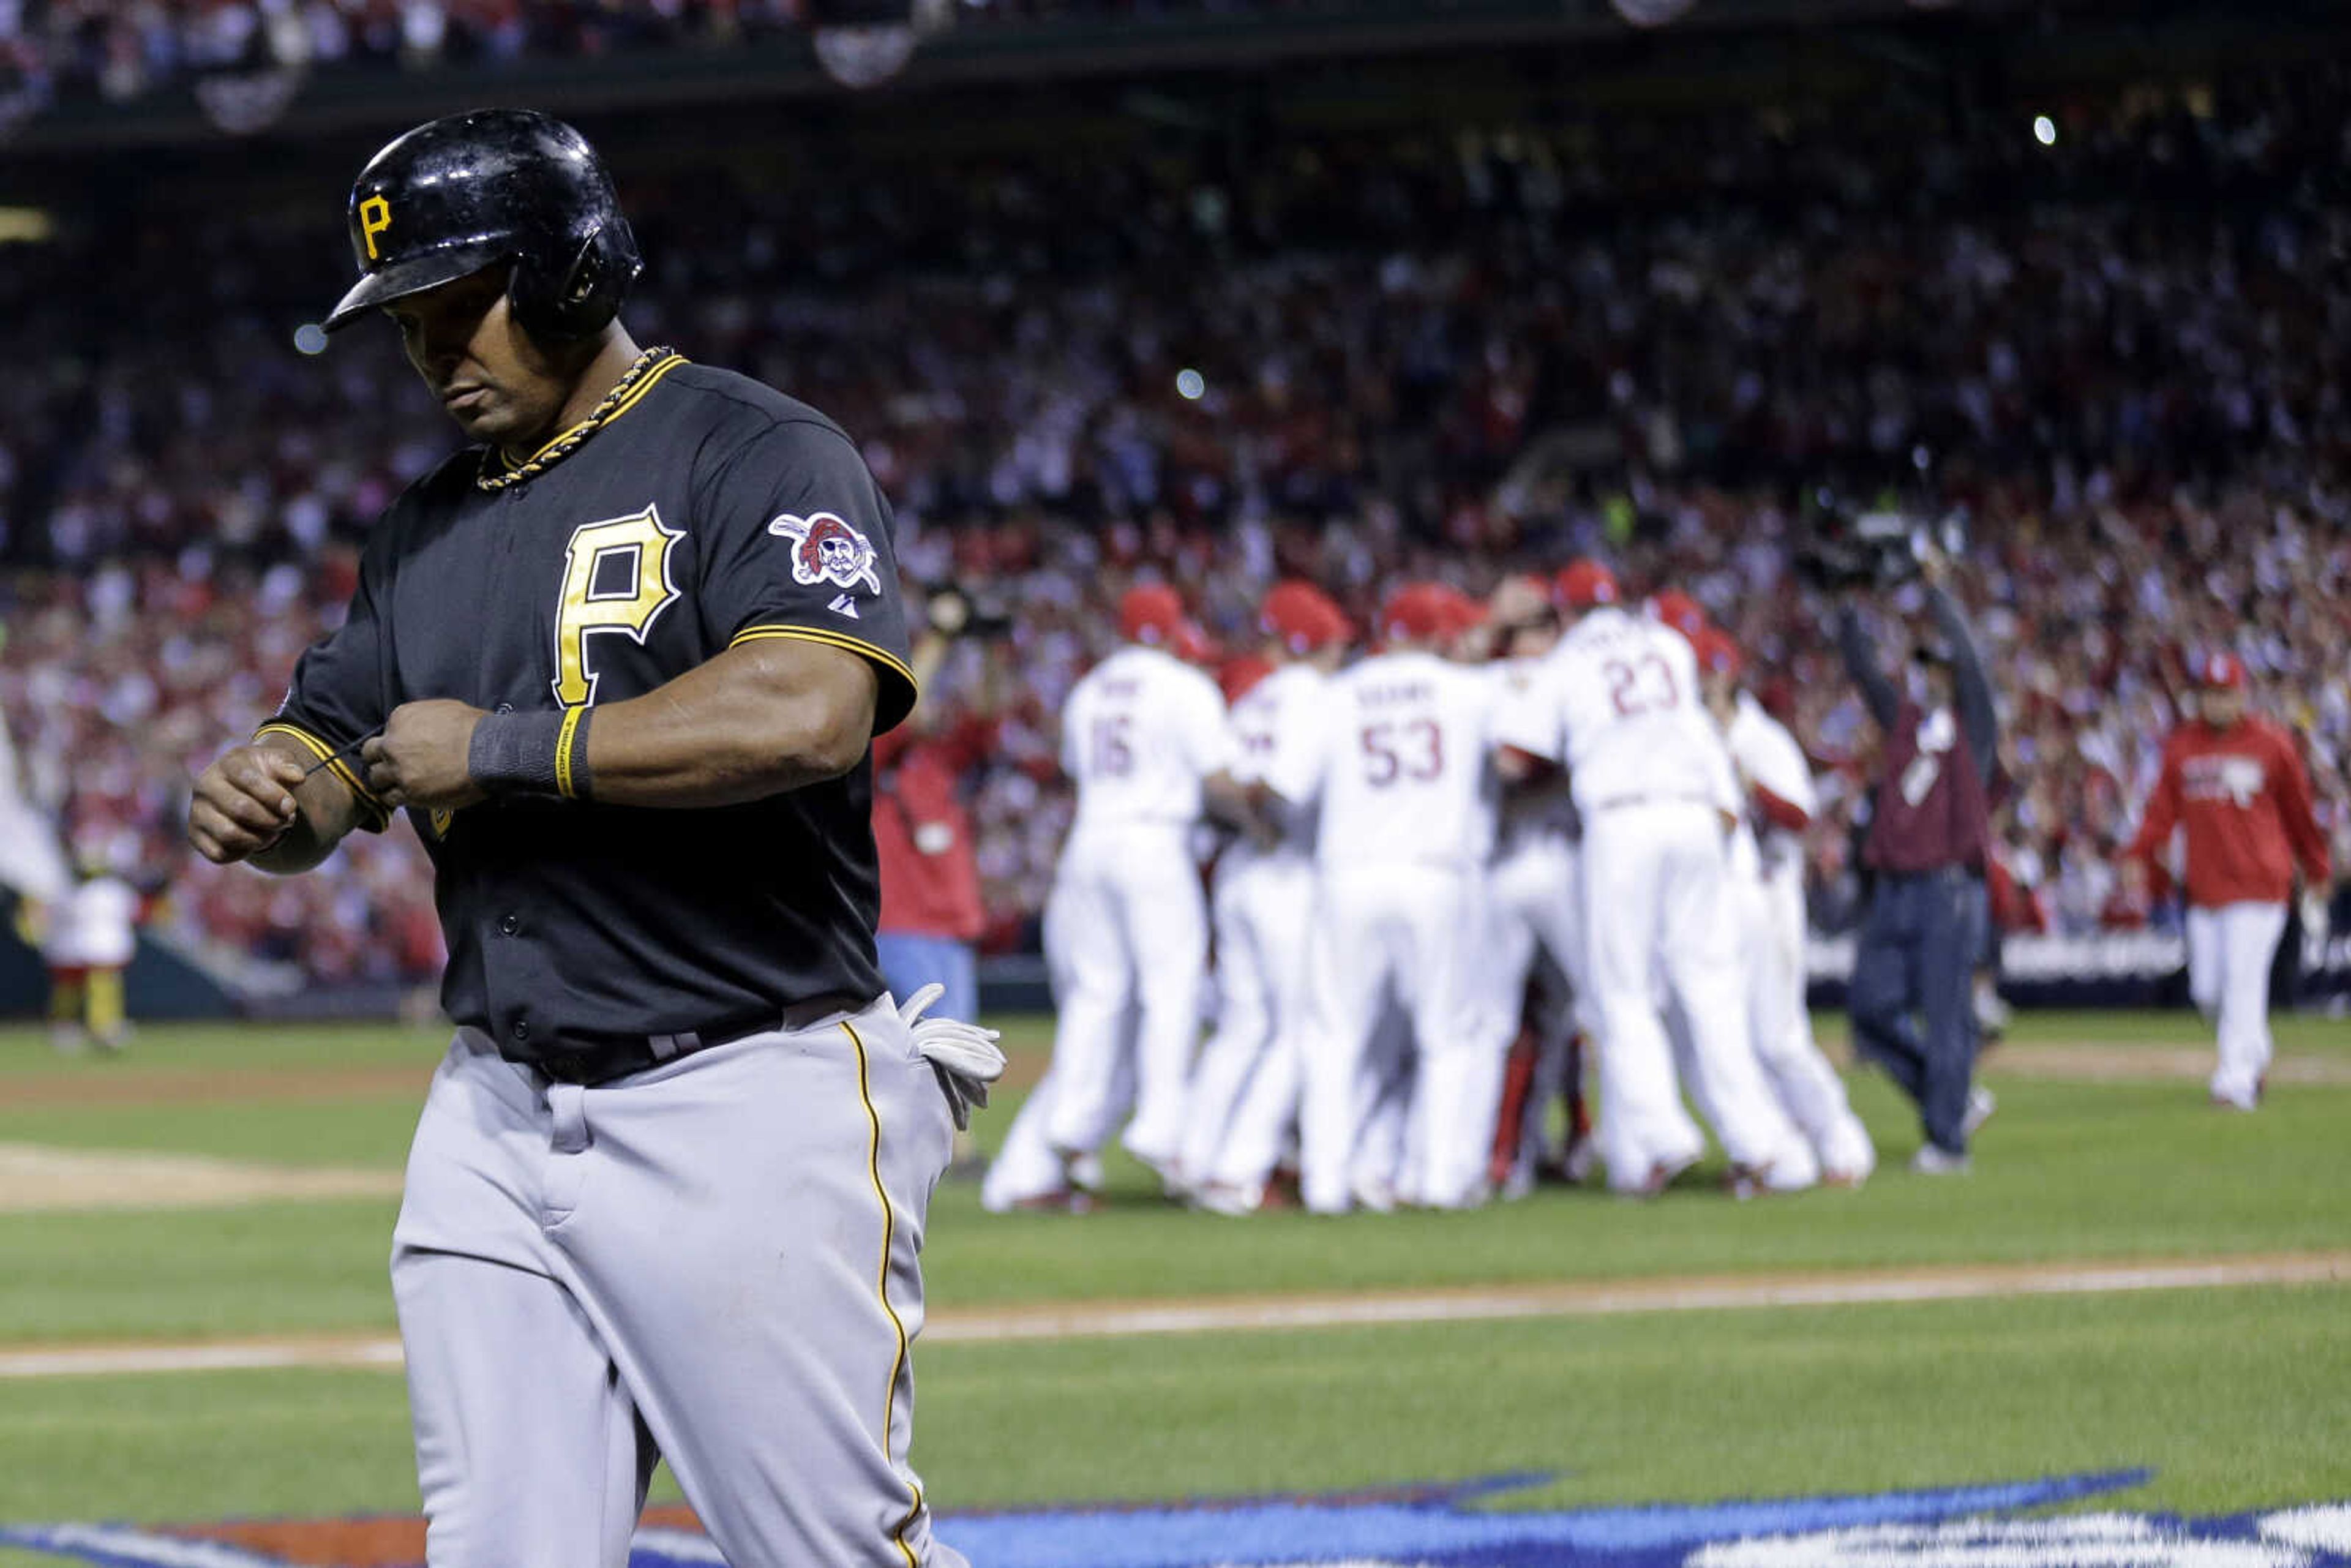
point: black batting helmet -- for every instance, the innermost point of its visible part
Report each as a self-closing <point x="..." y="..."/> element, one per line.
<point x="493" y="186"/>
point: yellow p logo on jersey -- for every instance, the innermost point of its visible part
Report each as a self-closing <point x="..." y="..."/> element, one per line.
<point x="375" y="217"/>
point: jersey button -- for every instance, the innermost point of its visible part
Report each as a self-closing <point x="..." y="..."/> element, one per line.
<point x="506" y="707"/>
<point x="510" y="924"/>
<point x="522" y="1028"/>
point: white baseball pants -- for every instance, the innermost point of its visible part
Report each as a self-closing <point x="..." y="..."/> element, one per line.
<point x="2229" y="950"/>
<point x="1131" y="929"/>
<point x="1245" y="1090"/>
<point x="1534" y="897"/>
<point x="1655" y="913"/>
<point x="715" y="1261"/>
<point x="1406" y="931"/>
<point x="1026" y="1165"/>
<point x="1808" y="1087"/>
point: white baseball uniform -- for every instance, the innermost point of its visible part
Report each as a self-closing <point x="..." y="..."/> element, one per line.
<point x="1768" y="865"/>
<point x="1533" y="917"/>
<point x="1402" y="773"/>
<point x="1244" y="1091"/>
<point x="1616" y="704"/>
<point x="1139" y="734"/>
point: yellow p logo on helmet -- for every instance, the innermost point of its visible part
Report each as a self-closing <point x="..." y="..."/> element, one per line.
<point x="375" y="217"/>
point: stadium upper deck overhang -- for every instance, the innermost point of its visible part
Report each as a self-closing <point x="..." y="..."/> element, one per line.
<point x="1385" y="40"/>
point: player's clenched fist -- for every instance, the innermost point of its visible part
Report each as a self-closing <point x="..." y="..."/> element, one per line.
<point x="243" y="802"/>
<point x="422" y="758"/>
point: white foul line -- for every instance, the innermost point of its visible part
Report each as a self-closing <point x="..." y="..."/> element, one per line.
<point x="1136" y="1320"/>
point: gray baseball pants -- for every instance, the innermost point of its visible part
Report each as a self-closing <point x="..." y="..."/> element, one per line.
<point x="714" y="1261"/>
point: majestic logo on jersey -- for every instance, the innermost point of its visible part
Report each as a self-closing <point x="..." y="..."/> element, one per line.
<point x="1408" y="1527"/>
<point x="826" y="549"/>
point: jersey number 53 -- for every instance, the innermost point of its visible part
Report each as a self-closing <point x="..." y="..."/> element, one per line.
<point x="1414" y="749"/>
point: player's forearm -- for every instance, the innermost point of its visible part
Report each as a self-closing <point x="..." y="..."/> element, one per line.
<point x="1227" y="801"/>
<point x="325" y="814"/>
<point x="756" y="721"/>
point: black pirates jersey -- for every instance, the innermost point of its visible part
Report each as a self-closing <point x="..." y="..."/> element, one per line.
<point x="704" y="511"/>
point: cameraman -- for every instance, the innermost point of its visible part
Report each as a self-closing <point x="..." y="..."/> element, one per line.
<point x="1929" y="841"/>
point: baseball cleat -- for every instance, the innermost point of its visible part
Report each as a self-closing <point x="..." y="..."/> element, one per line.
<point x="1661" y="1175"/>
<point x="1932" y="1161"/>
<point x="1981" y="1103"/>
<point x="1235" y="1201"/>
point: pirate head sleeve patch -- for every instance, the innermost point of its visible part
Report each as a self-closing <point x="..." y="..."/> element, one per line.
<point x="800" y="547"/>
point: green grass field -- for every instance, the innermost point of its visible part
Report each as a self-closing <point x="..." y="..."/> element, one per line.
<point x="2236" y="1398"/>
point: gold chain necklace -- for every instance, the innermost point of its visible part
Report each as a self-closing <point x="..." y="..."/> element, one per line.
<point x="564" y="445"/>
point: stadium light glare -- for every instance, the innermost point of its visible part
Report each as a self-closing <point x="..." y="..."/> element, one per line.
<point x="1190" y="386"/>
<point x="25" y="225"/>
<point x="310" y="338"/>
<point x="2045" y="131"/>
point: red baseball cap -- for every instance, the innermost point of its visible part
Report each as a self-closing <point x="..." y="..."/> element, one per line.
<point x="1418" y="609"/>
<point x="1236" y="676"/>
<point x="1150" y="613"/>
<point x="1304" y="616"/>
<point x="2224" y="671"/>
<point x="1463" y="614"/>
<point x="1717" y="654"/>
<point x="1680" y="610"/>
<point x="1582" y="584"/>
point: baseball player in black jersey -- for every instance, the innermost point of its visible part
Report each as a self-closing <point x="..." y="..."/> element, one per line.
<point x="622" y="661"/>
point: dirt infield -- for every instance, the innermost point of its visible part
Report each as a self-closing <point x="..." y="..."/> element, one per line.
<point x="1277" y="1313"/>
<point x="41" y="1178"/>
<point x="2150" y="1064"/>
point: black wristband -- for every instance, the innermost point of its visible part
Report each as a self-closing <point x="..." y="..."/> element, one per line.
<point x="514" y="753"/>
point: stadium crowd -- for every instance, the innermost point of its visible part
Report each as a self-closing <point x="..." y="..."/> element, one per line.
<point x="65" y="50"/>
<point x="1356" y="360"/>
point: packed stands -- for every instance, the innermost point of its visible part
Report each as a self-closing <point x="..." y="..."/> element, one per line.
<point x="1661" y="339"/>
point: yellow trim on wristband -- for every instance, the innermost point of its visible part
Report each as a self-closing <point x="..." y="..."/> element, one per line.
<point x="563" y="751"/>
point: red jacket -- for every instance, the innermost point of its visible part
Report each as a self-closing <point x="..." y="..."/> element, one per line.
<point x="2244" y="800"/>
<point x="930" y="877"/>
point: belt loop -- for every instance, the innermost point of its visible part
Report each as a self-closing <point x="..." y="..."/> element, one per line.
<point x="567" y="1106"/>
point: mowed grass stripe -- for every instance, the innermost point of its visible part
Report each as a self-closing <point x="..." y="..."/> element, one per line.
<point x="1262" y="1315"/>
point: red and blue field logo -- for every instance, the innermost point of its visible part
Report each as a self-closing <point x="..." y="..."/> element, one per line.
<point x="1454" y="1526"/>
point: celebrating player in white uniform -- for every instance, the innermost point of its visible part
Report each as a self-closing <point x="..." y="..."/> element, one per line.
<point x="1401" y="774"/>
<point x="1617" y="705"/>
<point x="1126" y="931"/>
<point x="1767" y="867"/>
<point x="1244" y="1095"/>
<point x="1533" y="958"/>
